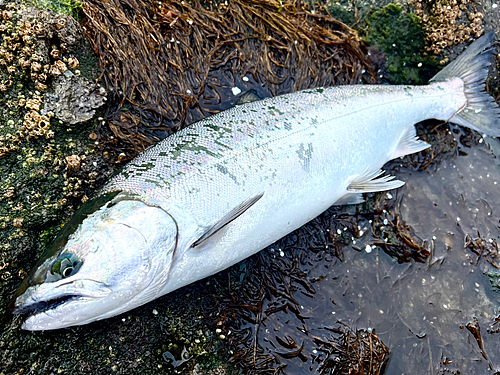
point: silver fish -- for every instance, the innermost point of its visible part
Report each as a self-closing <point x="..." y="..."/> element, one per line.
<point x="226" y="187"/>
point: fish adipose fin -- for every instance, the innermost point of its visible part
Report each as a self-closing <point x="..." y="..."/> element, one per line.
<point x="372" y="181"/>
<point x="226" y="219"/>
<point x="481" y="112"/>
<point x="409" y="144"/>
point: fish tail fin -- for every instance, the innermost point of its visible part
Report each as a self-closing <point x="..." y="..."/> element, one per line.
<point x="481" y="112"/>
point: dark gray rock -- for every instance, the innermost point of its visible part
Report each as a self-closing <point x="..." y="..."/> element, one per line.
<point x="75" y="99"/>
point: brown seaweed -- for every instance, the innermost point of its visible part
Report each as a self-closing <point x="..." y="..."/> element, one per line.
<point x="483" y="249"/>
<point x="392" y="233"/>
<point x="353" y="352"/>
<point x="475" y="330"/>
<point x="169" y="64"/>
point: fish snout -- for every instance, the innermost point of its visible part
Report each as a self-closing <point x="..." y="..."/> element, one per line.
<point x="53" y="304"/>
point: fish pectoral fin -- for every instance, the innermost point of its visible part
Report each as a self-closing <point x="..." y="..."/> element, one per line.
<point x="409" y="144"/>
<point x="372" y="181"/>
<point x="350" y="198"/>
<point x="227" y="218"/>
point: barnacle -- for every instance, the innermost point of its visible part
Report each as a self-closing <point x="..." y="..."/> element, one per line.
<point x="58" y="68"/>
<point x="73" y="162"/>
<point x="55" y="53"/>
<point x="18" y="222"/>
<point x="21" y="61"/>
<point x="18" y="53"/>
<point x="36" y="66"/>
<point x="73" y="63"/>
<point x="40" y="86"/>
<point x="448" y="22"/>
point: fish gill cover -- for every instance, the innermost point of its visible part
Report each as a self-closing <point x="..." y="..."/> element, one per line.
<point x="172" y="63"/>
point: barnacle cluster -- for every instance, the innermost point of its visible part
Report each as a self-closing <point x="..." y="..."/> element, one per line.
<point x="448" y="22"/>
<point x="45" y="169"/>
<point x="26" y="64"/>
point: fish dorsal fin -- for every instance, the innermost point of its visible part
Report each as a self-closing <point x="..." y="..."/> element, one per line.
<point x="372" y="181"/>
<point x="227" y="218"/>
<point x="409" y="144"/>
<point x="350" y="198"/>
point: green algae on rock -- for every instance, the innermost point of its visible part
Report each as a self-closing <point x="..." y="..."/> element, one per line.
<point x="69" y="7"/>
<point x="400" y="37"/>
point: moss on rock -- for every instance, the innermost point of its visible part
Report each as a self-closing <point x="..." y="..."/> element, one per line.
<point x="70" y="7"/>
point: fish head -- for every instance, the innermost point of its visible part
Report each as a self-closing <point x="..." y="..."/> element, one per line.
<point x="112" y="261"/>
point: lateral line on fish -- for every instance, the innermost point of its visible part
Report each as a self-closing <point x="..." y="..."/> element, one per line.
<point x="211" y="163"/>
<point x="344" y="114"/>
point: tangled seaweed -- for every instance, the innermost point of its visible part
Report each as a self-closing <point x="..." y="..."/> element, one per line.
<point x="352" y="352"/>
<point x="392" y="233"/>
<point x="173" y="63"/>
<point x="483" y="249"/>
<point x="267" y="326"/>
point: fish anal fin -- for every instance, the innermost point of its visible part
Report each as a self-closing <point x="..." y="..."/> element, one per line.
<point x="372" y="181"/>
<point x="409" y="144"/>
<point x="350" y="198"/>
<point x="226" y="219"/>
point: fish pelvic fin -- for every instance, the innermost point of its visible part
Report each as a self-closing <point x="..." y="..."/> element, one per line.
<point x="481" y="112"/>
<point x="350" y="198"/>
<point x="373" y="180"/>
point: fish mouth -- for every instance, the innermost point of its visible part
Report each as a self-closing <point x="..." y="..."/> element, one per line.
<point x="40" y="307"/>
<point x="47" y="297"/>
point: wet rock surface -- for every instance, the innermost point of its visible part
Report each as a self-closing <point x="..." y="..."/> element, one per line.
<point x="74" y="99"/>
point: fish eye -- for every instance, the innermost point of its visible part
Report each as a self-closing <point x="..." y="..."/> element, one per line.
<point x="64" y="266"/>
